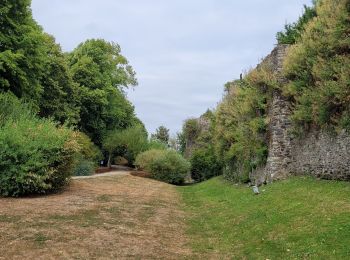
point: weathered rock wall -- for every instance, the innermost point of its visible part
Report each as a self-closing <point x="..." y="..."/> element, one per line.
<point x="319" y="154"/>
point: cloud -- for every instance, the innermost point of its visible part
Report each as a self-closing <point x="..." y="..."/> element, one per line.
<point x="183" y="51"/>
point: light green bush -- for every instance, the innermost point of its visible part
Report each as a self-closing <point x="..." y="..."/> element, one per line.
<point x="170" y="167"/>
<point x="164" y="165"/>
<point x="144" y="160"/>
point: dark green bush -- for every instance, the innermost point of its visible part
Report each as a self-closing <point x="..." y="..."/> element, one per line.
<point x="170" y="167"/>
<point x="36" y="157"/>
<point x="204" y="164"/>
<point x="84" y="168"/>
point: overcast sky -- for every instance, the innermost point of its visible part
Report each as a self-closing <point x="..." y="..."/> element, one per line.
<point x="183" y="51"/>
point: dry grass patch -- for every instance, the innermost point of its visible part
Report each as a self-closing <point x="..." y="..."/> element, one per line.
<point x="107" y="217"/>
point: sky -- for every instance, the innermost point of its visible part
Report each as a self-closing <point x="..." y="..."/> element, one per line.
<point x="183" y="51"/>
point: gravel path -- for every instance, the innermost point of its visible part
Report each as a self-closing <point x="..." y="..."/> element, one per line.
<point x="114" y="173"/>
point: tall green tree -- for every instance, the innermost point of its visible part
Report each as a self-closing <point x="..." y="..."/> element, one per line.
<point x="162" y="134"/>
<point x="102" y="73"/>
<point x="32" y="65"/>
<point x="22" y="53"/>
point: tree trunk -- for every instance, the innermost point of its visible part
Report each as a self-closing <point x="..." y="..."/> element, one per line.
<point x="109" y="164"/>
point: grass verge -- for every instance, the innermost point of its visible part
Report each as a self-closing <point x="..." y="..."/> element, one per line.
<point x="293" y="219"/>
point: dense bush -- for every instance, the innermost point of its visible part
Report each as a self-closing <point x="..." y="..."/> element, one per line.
<point x="127" y="143"/>
<point x="164" y="165"/>
<point x="35" y="156"/>
<point x="87" y="160"/>
<point x="204" y="164"/>
<point x="170" y="167"/>
<point x="84" y="168"/>
<point x="144" y="160"/>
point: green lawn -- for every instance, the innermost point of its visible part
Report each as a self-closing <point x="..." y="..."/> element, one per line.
<point x="294" y="219"/>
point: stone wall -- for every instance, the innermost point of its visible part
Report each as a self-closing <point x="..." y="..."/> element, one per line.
<point x="318" y="153"/>
<point x="321" y="154"/>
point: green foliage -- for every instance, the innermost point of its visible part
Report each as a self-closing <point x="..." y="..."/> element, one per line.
<point x="87" y="160"/>
<point x="84" y="168"/>
<point x="169" y="167"/>
<point x="32" y="65"/>
<point x="191" y="129"/>
<point x="318" y="68"/>
<point x="89" y="151"/>
<point x="59" y="99"/>
<point x="36" y="157"/>
<point x="127" y="143"/>
<point x="13" y="109"/>
<point x="156" y="144"/>
<point x="22" y="53"/>
<point x="144" y="160"/>
<point x="292" y="32"/>
<point x="101" y="72"/>
<point x="300" y="218"/>
<point x="241" y="121"/>
<point x="204" y="164"/>
<point x="162" y="134"/>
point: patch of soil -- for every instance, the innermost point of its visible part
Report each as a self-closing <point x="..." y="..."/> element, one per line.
<point x="115" y="217"/>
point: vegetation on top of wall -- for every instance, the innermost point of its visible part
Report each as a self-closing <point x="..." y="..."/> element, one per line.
<point x="241" y="124"/>
<point x="292" y="32"/>
<point x="318" y="68"/>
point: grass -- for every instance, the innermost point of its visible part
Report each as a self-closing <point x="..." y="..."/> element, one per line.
<point x="300" y="218"/>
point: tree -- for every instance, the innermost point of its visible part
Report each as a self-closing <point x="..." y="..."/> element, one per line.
<point x="32" y="65"/>
<point x="102" y="74"/>
<point x="162" y="134"/>
<point x="22" y="52"/>
<point x="59" y="98"/>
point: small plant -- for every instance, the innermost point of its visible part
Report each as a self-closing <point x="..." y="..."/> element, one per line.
<point x="84" y="168"/>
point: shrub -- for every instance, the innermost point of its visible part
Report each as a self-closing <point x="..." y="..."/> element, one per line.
<point x="144" y="160"/>
<point x="84" y="168"/>
<point x="170" y="167"/>
<point x="89" y="151"/>
<point x="204" y="164"/>
<point x="156" y="144"/>
<point x="36" y="157"/>
<point x="119" y="160"/>
<point x="127" y="143"/>
<point x="164" y="165"/>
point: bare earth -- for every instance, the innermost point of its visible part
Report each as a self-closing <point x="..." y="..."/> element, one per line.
<point x="117" y="216"/>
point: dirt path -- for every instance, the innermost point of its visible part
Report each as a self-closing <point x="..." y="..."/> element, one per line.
<point x="110" y="217"/>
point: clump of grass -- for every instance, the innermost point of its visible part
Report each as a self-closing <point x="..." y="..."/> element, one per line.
<point x="294" y="219"/>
